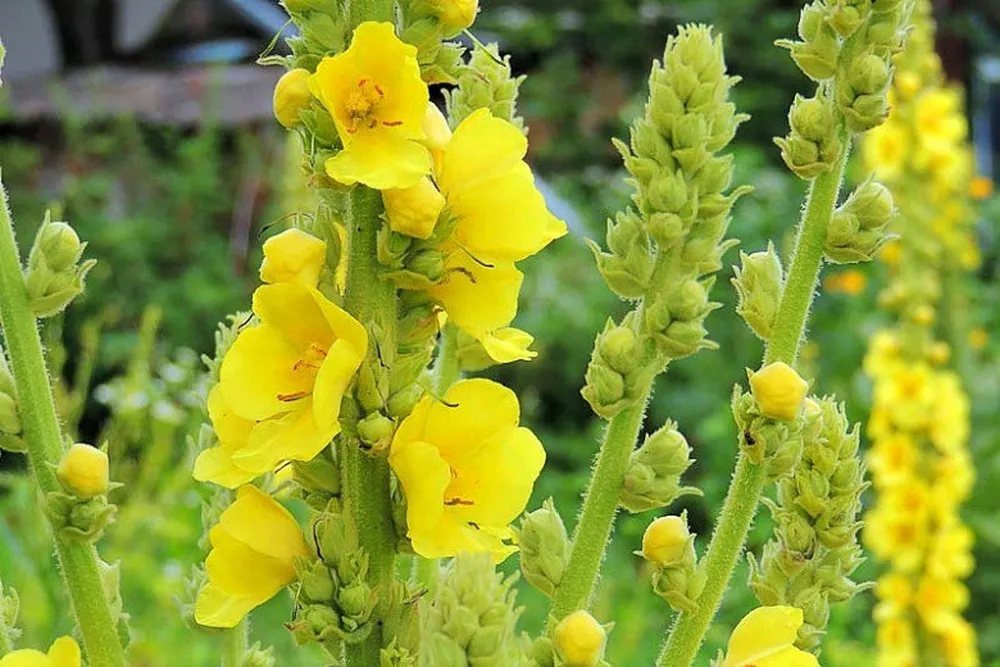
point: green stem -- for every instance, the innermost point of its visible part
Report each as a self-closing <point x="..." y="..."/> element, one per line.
<point x="743" y="496"/>
<point x="365" y="479"/>
<point x="447" y="369"/>
<point x="593" y="530"/>
<point x="44" y="442"/>
<point x="800" y="283"/>
<point x="234" y="645"/>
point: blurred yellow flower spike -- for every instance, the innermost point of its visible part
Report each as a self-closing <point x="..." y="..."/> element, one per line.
<point x="500" y="214"/>
<point x="254" y="547"/>
<point x="281" y="384"/>
<point x="64" y="653"/>
<point x="766" y="638"/>
<point x="467" y="470"/>
<point x="293" y="256"/>
<point x="377" y="99"/>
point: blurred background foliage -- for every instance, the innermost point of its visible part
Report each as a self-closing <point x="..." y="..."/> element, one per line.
<point x="175" y="216"/>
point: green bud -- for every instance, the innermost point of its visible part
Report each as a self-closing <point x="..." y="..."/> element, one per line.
<point x="60" y="247"/>
<point x="689" y="301"/>
<point x="812" y="118"/>
<point x="758" y="282"/>
<point x="355" y="600"/>
<point x="314" y="623"/>
<point x="817" y="55"/>
<point x="813" y="145"/>
<point x="629" y="265"/>
<point x="667" y="229"/>
<point x="868" y="74"/>
<point x="846" y="16"/>
<point x="873" y="205"/>
<point x="428" y="262"/>
<point x="544" y="548"/>
<point x="403" y="401"/>
<point x="391" y="247"/>
<point x="55" y="275"/>
<point x="652" y="478"/>
<point x="79" y="519"/>
<point x="316" y="583"/>
<point x="609" y="390"/>
<point x="485" y="82"/>
<point x="620" y="348"/>
<point x="376" y="430"/>
<point x="604" y="390"/>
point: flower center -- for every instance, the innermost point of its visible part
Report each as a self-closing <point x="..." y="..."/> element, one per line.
<point x="362" y="106"/>
<point x="306" y="367"/>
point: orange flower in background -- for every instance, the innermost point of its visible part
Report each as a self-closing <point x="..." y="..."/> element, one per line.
<point x="851" y="282"/>
<point x="981" y="188"/>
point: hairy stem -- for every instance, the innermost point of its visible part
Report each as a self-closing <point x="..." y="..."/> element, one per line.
<point x="234" y="645"/>
<point x="365" y="479"/>
<point x="44" y="440"/>
<point x="593" y="530"/>
<point x="743" y="496"/>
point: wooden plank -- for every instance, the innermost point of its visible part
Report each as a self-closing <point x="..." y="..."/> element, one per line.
<point x="230" y="95"/>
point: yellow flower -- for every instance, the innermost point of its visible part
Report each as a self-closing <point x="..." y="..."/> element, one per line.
<point x="895" y="593"/>
<point x="851" y="282"/>
<point x="766" y="638"/>
<point x="281" y="384"/>
<point x="455" y="15"/>
<point x="908" y="394"/>
<point x="958" y="642"/>
<point x="893" y="459"/>
<point x="981" y="188"/>
<point x="64" y="652"/>
<point x="665" y="540"/>
<point x="254" y="547"/>
<point x="466" y="468"/>
<point x="414" y="210"/>
<point x="938" y="120"/>
<point x="885" y="149"/>
<point x="978" y="338"/>
<point x="883" y="353"/>
<point x="291" y="95"/>
<point x="897" y="643"/>
<point x="579" y="640"/>
<point x="950" y="553"/>
<point x="779" y="391"/>
<point x="377" y="99"/>
<point x="937" y="600"/>
<point x="500" y="214"/>
<point x="293" y="256"/>
<point x="84" y="471"/>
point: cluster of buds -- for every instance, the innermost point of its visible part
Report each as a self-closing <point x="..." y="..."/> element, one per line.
<point x="809" y="562"/>
<point x="662" y="253"/>
<point x="617" y="372"/>
<point x="334" y="602"/>
<point x="758" y="281"/>
<point x="471" y="618"/>
<point x="857" y="229"/>
<point x="849" y="44"/>
<point x="668" y="546"/>
<point x="485" y="82"/>
<point x="653" y="475"/>
<point x="81" y="511"/>
<point x="769" y="418"/>
<point x="10" y="420"/>
<point x="544" y="547"/>
<point x="55" y="275"/>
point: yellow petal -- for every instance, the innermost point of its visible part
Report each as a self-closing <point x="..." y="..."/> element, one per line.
<point x="26" y="658"/>
<point x="258" y="375"/>
<point x="335" y="375"/>
<point x="437" y="134"/>
<point x="381" y="162"/>
<point x="261" y="523"/>
<point x="293" y="256"/>
<point x="239" y="572"/>
<point x="509" y="344"/>
<point x="216" y="465"/>
<point x="471" y="412"/>
<point x="478" y="299"/>
<point x="228" y="426"/>
<point x="294" y="310"/>
<point x="764" y="632"/>
<point x="498" y="474"/>
<point x="65" y="652"/>
<point x="504" y="218"/>
<point x="215" y="608"/>
<point x="424" y="476"/>
<point x="482" y="148"/>
<point x="295" y="436"/>
<point x="414" y="211"/>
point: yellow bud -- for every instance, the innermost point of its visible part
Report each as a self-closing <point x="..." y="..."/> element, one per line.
<point x="665" y="540"/>
<point x="437" y="133"/>
<point x="293" y="256"/>
<point x="84" y="471"/>
<point x="455" y="15"/>
<point x="779" y="391"/>
<point x="579" y="639"/>
<point x="414" y="211"/>
<point x="291" y="95"/>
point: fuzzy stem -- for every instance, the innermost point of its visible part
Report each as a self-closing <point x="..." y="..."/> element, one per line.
<point x="234" y="645"/>
<point x="593" y="530"/>
<point x="447" y="370"/>
<point x="365" y="479"/>
<point x="743" y="496"/>
<point x="44" y="442"/>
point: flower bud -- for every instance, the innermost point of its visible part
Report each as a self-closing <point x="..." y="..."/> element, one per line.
<point x="758" y="283"/>
<point x="779" y="391"/>
<point x="455" y="15"/>
<point x="666" y="541"/>
<point x="318" y="475"/>
<point x="817" y="55"/>
<point x="55" y="275"/>
<point x="813" y="145"/>
<point x="291" y="95"/>
<point x="428" y="263"/>
<point x="437" y="133"/>
<point x="84" y="471"/>
<point x="846" y="16"/>
<point x="544" y="548"/>
<point x="652" y="479"/>
<point x="293" y="256"/>
<point x="60" y="246"/>
<point x="872" y="204"/>
<point x="414" y="211"/>
<point x="579" y="640"/>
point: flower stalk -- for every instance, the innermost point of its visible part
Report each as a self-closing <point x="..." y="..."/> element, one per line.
<point x="43" y="439"/>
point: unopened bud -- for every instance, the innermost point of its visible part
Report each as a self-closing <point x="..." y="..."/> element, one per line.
<point x="291" y="95"/>
<point x="779" y="391"/>
<point x="544" y="548"/>
<point x="455" y="15"/>
<point x="84" y="471"/>
<point x="579" y="640"/>
<point x="293" y="256"/>
<point x="666" y="541"/>
<point x="758" y="283"/>
<point x="60" y="246"/>
<point x="414" y="211"/>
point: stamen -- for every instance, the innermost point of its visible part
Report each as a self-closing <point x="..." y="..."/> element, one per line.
<point x="288" y="398"/>
<point x="451" y="502"/>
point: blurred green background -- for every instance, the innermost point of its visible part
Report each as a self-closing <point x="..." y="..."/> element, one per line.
<point x="174" y="215"/>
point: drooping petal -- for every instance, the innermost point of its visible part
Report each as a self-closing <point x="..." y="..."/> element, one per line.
<point x="766" y="637"/>
<point x="478" y="299"/>
<point x="296" y="436"/>
<point x="424" y="475"/>
<point x="381" y="162"/>
<point x="294" y="311"/>
<point x="215" y="608"/>
<point x="228" y="426"/>
<point x="335" y="375"/>
<point x="264" y="525"/>
<point x="216" y="465"/>
<point x="482" y="147"/>
<point x="509" y="344"/>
